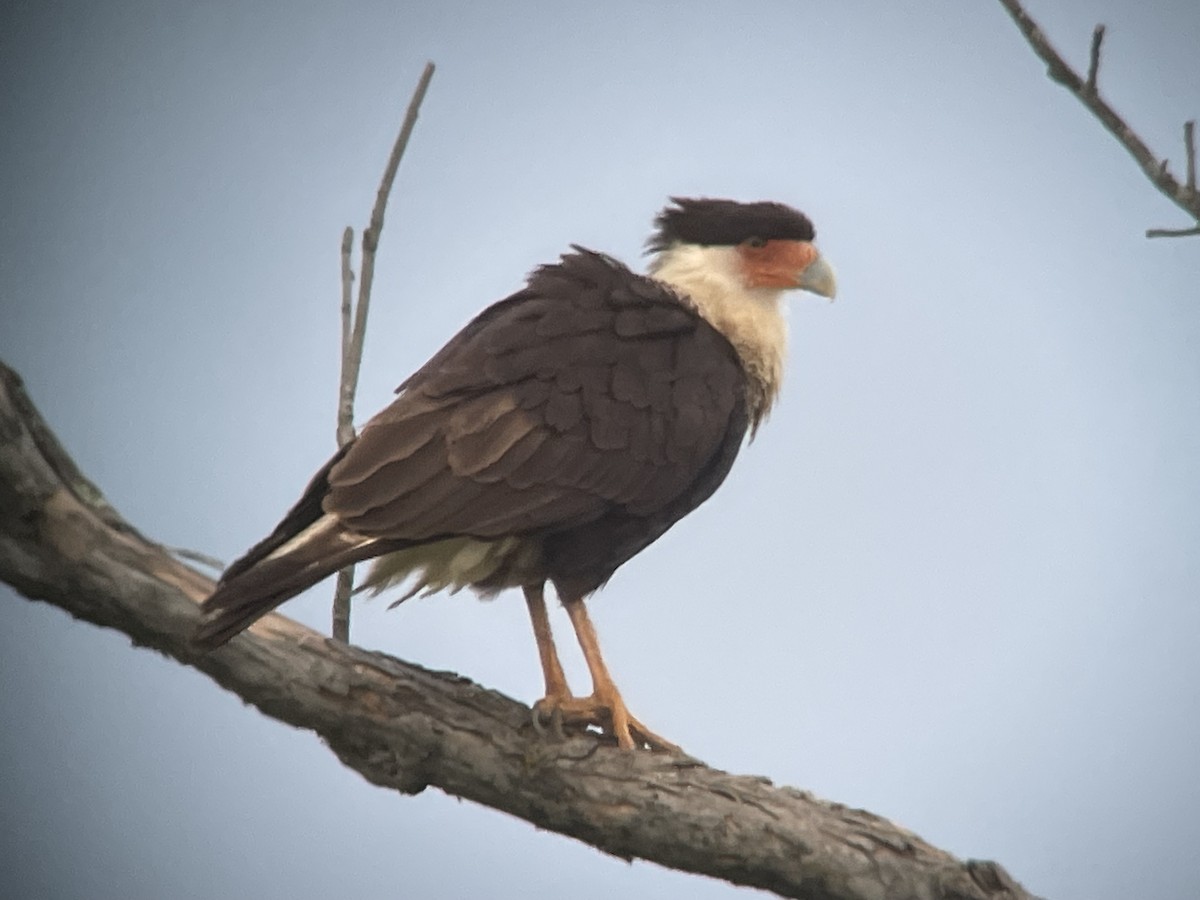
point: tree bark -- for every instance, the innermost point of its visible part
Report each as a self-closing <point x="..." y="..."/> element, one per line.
<point x="408" y="728"/>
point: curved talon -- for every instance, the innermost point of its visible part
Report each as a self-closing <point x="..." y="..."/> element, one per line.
<point x="604" y="708"/>
<point x="556" y="723"/>
<point x="535" y="719"/>
<point x="611" y="716"/>
<point x="552" y="708"/>
<point x="644" y="736"/>
<point x="649" y="739"/>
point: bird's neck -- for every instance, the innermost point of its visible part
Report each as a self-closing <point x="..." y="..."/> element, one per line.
<point x="751" y="319"/>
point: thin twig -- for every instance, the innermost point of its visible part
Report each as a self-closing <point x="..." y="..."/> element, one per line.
<point x="345" y="416"/>
<point x="1094" y="62"/>
<point x="1087" y="93"/>
<point x="370" y="238"/>
<point x="343" y="590"/>
<point x="353" y="337"/>
<point x="1189" y="146"/>
<point x="345" y="432"/>
<point x="1173" y="232"/>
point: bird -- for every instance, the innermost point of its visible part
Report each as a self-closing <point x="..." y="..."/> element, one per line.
<point x="561" y="432"/>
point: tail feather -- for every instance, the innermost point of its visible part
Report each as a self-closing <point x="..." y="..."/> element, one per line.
<point x="248" y="591"/>
<point x="307" y="512"/>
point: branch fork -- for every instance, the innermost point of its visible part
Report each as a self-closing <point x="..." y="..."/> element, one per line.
<point x="1183" y="195"/>
<point x="354" y="320"/>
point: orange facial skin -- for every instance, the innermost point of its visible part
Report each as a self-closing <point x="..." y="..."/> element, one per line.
<point x="775" y="264"/>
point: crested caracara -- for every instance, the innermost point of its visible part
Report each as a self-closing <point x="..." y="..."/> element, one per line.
<point x="557" y="435"/>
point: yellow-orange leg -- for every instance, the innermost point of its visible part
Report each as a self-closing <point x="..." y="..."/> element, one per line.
<point x="606" y="703"/>
<point x="557" y="690"/>
<point x="556" y="680"/>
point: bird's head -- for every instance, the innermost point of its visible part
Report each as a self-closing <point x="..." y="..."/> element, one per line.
<point x="764" y="244"/>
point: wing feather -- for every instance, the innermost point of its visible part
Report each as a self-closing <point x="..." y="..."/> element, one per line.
<point x="364" y="500"/>
<point x="477" y="452"/>
<point x="594" y="392"/>
<point x="388" y="441"/>
<point x="589" y="411"/>
<point x="563" y="411"/>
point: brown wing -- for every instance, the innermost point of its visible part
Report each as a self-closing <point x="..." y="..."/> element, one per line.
<point x="591" y="393"/>
<point x="593" y="410"/>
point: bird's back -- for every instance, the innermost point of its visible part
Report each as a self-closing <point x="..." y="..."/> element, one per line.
<point x="559" y="433"/>
<point x="585" y="414"/>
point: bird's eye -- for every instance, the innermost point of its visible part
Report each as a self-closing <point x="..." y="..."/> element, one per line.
<point x="755" y="242"/>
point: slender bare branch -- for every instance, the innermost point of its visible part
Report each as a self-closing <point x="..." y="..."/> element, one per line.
<point x="1094" y="61"/>
<point x="342" y="592"/>
<point x="1189" y="147"/>
<point x="406" y="728"/>
<point x="1087" y="92"/>
<point x="347" y="387"/>
<point x="370" y="237"/>
<point x="354" y="336"/>
<point x="1173" y="232"/>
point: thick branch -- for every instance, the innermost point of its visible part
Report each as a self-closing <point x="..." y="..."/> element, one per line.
<point x="407" y="728"/>
<point x="1183" y="195"/>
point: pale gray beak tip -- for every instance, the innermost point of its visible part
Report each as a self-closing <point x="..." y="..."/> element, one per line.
<point x="819" y="279"/>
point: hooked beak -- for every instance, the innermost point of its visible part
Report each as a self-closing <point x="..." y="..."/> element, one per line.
<point x="818" y="277"/>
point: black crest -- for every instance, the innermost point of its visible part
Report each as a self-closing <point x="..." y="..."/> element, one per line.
<point x="727" y="222"/>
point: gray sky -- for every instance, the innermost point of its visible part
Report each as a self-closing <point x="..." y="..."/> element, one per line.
<point x="953" y="581"/>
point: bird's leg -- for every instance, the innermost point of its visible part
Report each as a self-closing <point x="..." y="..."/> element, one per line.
<point x="557" y="690"/>
<point x="606" y="702"/>
<point x="605" y="707"/>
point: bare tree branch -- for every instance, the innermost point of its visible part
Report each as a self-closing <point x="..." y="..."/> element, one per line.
<point x="345" y="428"/>
<point x="1184" y="196"/>
<point x="354" y="337"/>
<point x="370" y="237"/>
<point x="407" y="728"/>
<point x="1172" y="232"/>
<point x="1094" y="60"/>
<point x="1189" y="148"/>
<point x="347" y="387"/>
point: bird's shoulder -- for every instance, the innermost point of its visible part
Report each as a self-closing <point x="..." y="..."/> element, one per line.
<point x="591" y="387"/>
<point x="586" y="308"/>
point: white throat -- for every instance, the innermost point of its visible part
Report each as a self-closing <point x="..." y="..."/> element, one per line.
<point x="751" y="319"/>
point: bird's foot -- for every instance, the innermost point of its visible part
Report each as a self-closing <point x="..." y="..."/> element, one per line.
<point x="607" y="712"/>
<point x="547" y="714"/>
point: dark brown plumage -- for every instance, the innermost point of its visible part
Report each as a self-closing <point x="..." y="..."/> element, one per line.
<point x="714" y="222"/>
<point x="557" y="435"/>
